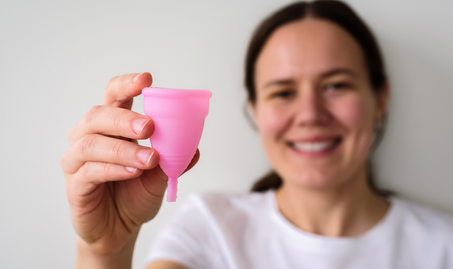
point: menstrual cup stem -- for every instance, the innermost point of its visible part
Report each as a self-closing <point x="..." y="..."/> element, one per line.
<point x="171" y="189"/>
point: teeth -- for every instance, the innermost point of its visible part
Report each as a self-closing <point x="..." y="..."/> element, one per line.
<point x="313" y="147"/>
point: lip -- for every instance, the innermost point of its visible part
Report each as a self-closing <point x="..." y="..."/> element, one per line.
<point x="337" y="141"/>
<point x="309" y="139"/>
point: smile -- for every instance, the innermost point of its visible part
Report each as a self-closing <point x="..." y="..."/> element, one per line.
<point x="315" y="146"/>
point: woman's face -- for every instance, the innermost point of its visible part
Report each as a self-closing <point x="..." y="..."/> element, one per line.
<point x="315" y="109"/>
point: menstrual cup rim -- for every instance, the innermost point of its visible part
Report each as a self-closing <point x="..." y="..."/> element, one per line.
<point x="175" y="93"/>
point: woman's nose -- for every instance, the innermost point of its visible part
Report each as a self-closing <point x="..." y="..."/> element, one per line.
<point x="310" y="109"/>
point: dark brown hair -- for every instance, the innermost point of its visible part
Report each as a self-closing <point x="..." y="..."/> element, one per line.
<point x="336" y="12"/>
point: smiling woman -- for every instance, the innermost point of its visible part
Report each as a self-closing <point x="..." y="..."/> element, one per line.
<point x="317" y="126"/>
<point x="318" y="93"/>
<point x="368" y="70"/>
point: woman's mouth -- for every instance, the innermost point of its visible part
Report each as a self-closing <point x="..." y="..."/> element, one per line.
<point x="315" y="147"/>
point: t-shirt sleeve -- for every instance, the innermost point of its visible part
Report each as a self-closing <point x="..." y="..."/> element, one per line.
<point x="188" y="239"/>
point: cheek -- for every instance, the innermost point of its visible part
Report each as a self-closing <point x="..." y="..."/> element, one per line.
<point x="356" y="116"/>
<point x="271" y="122"/>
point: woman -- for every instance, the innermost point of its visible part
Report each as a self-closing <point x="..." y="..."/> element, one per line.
<point x="318" y="95"/>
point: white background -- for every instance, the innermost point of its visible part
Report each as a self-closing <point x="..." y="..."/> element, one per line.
<point x="57" y="56"/>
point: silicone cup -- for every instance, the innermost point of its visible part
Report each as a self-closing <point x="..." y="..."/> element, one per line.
<point x="178" y="117"/>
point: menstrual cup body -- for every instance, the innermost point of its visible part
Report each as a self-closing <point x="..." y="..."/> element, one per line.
<point x="178" y="117"/>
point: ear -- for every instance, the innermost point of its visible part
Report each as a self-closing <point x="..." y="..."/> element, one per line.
<point x="251" y="112"/>
<point x="382" y="102"/>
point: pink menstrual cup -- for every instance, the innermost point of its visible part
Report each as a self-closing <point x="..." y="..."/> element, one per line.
<point x="178" y="117"/>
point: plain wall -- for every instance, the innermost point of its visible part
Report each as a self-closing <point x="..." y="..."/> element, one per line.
<point x="57" y="56"/>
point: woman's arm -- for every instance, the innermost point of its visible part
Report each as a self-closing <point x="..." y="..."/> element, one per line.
<point x="165" y="265"/>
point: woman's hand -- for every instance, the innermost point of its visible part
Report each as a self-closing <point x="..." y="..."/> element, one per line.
<point x="113" y="185"/>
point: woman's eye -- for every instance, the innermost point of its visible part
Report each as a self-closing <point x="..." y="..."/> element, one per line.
<point x="284" y="94"/>
<point x="337" y="86"/>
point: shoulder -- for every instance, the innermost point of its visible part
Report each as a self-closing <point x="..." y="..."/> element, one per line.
<point x="424" y="215"/>
<point x="421" y="220"/>
<point x="223" y="212"/>
<point x="221" y="205"/>
<point x="203" y="225"/>
<point x="228" y="200"/>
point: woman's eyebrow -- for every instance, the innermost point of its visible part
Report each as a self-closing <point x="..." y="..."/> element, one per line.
<point x="337" y="71"/>
<point x="329" y="73"/>
<point x="278" y="82"/>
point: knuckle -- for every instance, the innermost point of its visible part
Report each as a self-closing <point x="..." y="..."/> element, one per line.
<point x="90" y="116"/>
<point x="111" y="82"/>
<point x="118" y="119"/>
<point x="85" y="145"/>
<point x="102" y="173"/>
<point x="85" y="170"/>
<point x="95" y="172"/>
<point x="107" y="167"/>
<point x="118" y="148"/>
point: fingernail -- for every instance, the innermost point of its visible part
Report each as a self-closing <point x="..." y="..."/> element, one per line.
<point x="139" y="124"/>
<point x="130" y="169"/>
<point x="137" y="76"/>
<point x="144" y="155"/>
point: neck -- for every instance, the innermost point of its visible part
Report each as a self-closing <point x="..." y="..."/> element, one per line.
<point x="348" y="210"/>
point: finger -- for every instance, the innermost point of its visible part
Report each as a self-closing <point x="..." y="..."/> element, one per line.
<point x="121" y="90"/>
<point x="112" y="121"/>
<point x="99" y="172"/>
<point x="193" y="162"/>
<point x="99" y="148"/>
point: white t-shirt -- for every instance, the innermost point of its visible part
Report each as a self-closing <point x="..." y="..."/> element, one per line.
<point x="216" y="231"/>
